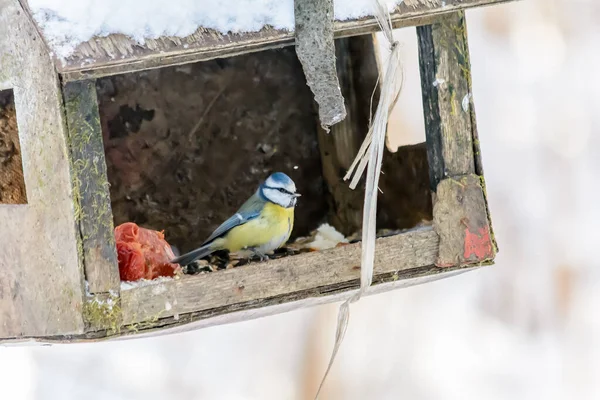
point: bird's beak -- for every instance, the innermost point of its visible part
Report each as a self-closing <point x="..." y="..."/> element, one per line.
<point x="297" y="195"/>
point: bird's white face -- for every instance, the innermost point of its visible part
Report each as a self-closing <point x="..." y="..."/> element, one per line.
<point x="280" y="189"/>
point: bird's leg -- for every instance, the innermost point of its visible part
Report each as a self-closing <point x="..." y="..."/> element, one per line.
<point x="263" y="256"/>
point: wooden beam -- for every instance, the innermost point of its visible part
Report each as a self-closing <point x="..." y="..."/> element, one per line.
<point x="116" y="54"/>
<point x="41" y="285"/>
<point x="460" y="210"/>
<point x="282" y="280"/>
<point x="447" y="97"/>
<point x="90" y="185"/>
<point x="194" y="321"/>
<point x="316" y="51"/>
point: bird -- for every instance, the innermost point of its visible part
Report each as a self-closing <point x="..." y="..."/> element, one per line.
<point x="262" y="224"/>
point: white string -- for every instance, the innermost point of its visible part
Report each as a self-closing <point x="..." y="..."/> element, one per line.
<point x="370" y="156"/>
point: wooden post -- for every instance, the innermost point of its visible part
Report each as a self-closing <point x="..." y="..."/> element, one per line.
<point x="460" y="209"/>
<point x="316" y="52"/>
<point x="41" y="284"/>
<point x="90" y="184"/>
<point x="445" y="81"/>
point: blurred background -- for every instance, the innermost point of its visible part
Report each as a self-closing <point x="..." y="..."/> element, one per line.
<point x="526" y="328"/>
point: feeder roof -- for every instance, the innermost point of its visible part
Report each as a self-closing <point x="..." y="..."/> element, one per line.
<point x="90" y="38"/>
<point x="66" y="23"/>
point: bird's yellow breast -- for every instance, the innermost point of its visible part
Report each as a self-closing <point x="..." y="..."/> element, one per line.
<point x="269" y="231"/>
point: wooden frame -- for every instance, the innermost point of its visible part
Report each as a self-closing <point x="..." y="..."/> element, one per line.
<point x="454" y="242"/>
<point x="460" y="238"/>
<point x="41" y="285"/>
<point x="460" y="209"/>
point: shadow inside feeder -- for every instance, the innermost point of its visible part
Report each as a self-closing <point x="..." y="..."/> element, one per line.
<point x="186" y="146"/>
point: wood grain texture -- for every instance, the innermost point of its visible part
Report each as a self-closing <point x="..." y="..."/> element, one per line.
<point x="195" y="321"/>
<point x="446" y="90"/>
<point x="316" y="51"/>
<point x="115" y="54"/>
<point x="461" y="221"/>
<point x="268" y="307"/>
<point x="41" y="285"/>
<point x="276" y="281"/>
<point x="88" y="169"/>
<point x="461" y="215"/>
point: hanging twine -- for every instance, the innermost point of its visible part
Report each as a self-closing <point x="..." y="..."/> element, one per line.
<point x="370" y="156"/>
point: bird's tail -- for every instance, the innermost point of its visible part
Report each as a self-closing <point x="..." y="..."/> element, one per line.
<point x="193" y="255"/>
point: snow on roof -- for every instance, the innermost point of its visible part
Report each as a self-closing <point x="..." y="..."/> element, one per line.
<point x="67" y="23"/>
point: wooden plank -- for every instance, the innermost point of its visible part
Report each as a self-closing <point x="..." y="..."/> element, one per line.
<point x="195" y="321"/>
<point x="446" y="90"/>
<point x="115" y="54"/>
<point x="286" y="279"/>
<point x="316" y="51"/>
<point x="41" y="285"/>
<point x="88" y="169"/>
<point x="474" y="132"/>
<point x="461" y="216"/>
<point x="460" y="219"/>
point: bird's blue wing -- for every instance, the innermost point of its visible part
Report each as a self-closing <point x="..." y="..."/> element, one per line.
<point x="248" y="211"/>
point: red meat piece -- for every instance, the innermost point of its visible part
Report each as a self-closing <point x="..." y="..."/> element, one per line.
<point x="143" y="253"/>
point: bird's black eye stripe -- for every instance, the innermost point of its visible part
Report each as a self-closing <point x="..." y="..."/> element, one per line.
<point x="282" y="190"/>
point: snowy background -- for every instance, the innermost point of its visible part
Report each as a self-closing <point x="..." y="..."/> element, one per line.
<point x="527" y="328"/>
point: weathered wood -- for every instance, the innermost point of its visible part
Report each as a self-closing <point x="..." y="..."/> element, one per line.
<point x="268" y="307"/>
<point x="90" y="186"/>
<point x="41" y="285"/>
<point x="461" y="221"/>
<point x="285" y="279"/>
<point x="102" y="312"/>
<point x="114" y="54"/>
<point x="195" y="321"/>
<point x="43" y="297"/>
<point x="357" y="70"/>
<point x="461" y="215"/>
<point x="316" y="51"/>
<point x="446" y="90"/>
<point x="475" y="135"/>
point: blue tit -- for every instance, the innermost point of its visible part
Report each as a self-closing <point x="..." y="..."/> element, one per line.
<point x="262" y="224"/>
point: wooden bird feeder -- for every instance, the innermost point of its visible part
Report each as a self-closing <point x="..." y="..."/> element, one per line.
<point x="80" y="119"/>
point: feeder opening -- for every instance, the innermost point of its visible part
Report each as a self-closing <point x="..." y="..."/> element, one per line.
<point x="12" y="182"/>
<point x="186" y="146"/>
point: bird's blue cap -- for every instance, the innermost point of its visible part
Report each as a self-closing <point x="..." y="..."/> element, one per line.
<point x="280" y="180"/>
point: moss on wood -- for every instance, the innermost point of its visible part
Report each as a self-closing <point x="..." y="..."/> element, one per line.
<point x="103" y="312"/>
